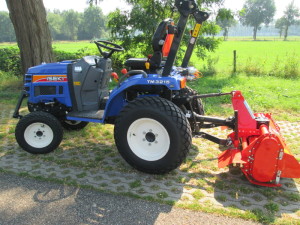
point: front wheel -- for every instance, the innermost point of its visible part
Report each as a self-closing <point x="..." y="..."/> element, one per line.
<point x="153" y="135"/>
<point x="39" y="133"/>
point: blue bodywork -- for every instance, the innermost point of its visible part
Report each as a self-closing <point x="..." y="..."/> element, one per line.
<point x="46" y="72"/>
<point x="117" y="99"/>
<point x="55" y="75"/>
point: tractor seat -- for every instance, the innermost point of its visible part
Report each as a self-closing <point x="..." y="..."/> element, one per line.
<point x="158" y="41"/>
<point x="136" y="63"/>
<point x="139" y="63"/>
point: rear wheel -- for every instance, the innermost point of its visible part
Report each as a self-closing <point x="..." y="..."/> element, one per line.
<point x="196" y="103"/>
<point x="195" y="106"/>
<point x="152" y="135"/>
<point x="39" y="133"/>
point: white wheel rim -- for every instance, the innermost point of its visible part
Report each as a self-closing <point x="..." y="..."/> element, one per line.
<point x="38" y="135"/>
<point x="148" y="139"/>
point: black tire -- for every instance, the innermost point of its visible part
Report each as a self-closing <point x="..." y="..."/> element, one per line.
<point x="196" y="104"/>
<point x="73" y="125"/>
<point x="168" y="123"/>
<point x="39" y="133"/>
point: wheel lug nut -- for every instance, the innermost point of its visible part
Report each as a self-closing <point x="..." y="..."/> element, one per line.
<point x="144" y="132"/>
<point x="149" y="144"/>
<point x="155" y="142"/>
<point x="144" y="139"/>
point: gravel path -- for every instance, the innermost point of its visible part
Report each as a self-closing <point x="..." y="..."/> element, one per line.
<point x="28" y="201"/>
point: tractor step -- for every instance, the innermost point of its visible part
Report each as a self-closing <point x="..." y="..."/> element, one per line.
<point x="98" y="115"/>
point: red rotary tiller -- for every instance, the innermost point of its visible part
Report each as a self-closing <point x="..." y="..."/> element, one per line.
<point x="258" y="147"/>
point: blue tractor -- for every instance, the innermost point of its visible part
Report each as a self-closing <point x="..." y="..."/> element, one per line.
<point x="154" y="113"/>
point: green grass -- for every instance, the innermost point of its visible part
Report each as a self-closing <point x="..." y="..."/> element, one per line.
<point x="68" y="46"/>
<point x="73" y="46"/>
<point x="264" y="94"/>
<point x="261" y="53"/>
<point x="10" y="88"/>
<point x="263" y="38"/>
<point x="261" y="57"/>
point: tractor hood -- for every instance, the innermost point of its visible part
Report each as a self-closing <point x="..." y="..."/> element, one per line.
<point x="50" y="68"/>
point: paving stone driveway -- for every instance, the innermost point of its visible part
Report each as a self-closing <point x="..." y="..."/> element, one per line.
<point x="90" y="159"/>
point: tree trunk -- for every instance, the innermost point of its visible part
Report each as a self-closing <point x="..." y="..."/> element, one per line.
<point x="32" y="31"/>
<point x="286" y="32"/>
<point x="254" y="33"/>
<point x="226" y="33"/>
<point x="280" y="33"/>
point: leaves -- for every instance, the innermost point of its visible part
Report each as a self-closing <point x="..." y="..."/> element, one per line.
<point x="71" y="25"/>
<point x="257" y="12"/>
<point x="289" y="18"/>
<point x="7" y="33"/>
<point x="135" y="28"/>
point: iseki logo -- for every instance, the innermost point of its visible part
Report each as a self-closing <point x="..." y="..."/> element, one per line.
<point x="55" y="78"/>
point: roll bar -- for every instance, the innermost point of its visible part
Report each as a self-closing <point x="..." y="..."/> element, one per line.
<point x="185" y="8"/>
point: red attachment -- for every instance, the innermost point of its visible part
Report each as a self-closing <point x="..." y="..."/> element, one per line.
<point x="259" y="147"/>
<point x="230" y="156"/>
<point x="167" y="45"/>
<point x="124" y="71"/>
<point x="247" y="122"/>
<point x="115" y="76"/>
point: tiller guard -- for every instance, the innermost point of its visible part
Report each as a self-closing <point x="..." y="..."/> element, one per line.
<point x="258" y="147"/>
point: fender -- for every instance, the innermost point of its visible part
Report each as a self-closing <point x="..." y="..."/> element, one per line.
<point x="117" y="98"/>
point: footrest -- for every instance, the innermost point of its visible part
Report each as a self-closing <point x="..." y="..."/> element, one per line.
<point x="87" y="114"/>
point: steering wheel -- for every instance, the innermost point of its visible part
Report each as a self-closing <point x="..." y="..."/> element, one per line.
<point x="108" y="45"/>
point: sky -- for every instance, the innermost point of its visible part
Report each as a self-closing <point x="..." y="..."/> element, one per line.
<point x="110" y="5"/>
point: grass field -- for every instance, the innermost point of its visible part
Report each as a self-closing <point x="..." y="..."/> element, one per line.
<point x="68" y="46"/>
<point x="275" y="95"/>
<point x="263" y="38"/>
<point x="262" y="53"/>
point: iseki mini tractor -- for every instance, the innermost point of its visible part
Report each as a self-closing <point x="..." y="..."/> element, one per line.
<point x="155" y="115"/>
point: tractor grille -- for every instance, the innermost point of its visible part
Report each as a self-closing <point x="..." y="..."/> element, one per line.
<point x="28" y="78"/>
<point x="44" y="90"/>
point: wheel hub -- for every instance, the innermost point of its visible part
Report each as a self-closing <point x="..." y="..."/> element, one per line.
<point x="150" y="137"/>
<point x="39" y="133"/>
